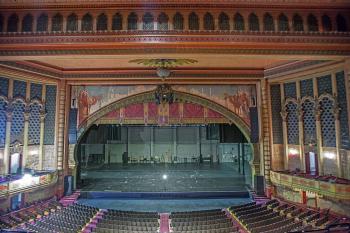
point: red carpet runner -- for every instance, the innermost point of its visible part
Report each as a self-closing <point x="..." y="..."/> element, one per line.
<point x="164" y="223"/>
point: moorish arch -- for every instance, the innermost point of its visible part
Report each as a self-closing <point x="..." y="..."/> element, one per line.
<point x="180" y="97"/>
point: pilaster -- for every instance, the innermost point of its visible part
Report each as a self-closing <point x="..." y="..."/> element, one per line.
<point x="284" y="128"/>
<point x="336" y="112"/>
<point x="301" y="129"/>
<point x="42" y="129"/>
<point x="8" y="128"/>
<point x="265" y="130"/>
<point x="318" y="128"/>
<point x="61" y="123"/>
<point x="25" y="135"/>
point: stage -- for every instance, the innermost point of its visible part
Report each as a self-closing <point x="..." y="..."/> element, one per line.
<point x="179" y="177"/>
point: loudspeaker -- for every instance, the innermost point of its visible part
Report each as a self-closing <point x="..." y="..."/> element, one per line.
<point x="259" y="185"/>
<point x="254" y="124"/>
<point x="68" y="185"/>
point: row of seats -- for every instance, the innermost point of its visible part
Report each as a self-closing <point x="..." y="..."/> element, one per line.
<point x="67" y="220"/>
<point x="115" y="221"/>
<point x="277" y="217"/>
<point x="205" y="221"/>
<point x="29" y="214"/>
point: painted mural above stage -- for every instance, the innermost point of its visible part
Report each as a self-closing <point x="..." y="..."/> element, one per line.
<point x="237" y="98"/>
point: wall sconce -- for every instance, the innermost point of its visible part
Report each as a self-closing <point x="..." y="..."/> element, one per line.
<point x="293" y="151"/>
<point x="329" y="155"/>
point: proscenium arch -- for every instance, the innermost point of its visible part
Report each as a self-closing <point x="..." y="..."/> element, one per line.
<point x="178" y="97"/>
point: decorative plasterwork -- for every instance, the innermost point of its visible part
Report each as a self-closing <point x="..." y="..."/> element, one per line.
<point x="178" y="97"/>
<point x="178" y="36"/>
<point x="175" y="3"/>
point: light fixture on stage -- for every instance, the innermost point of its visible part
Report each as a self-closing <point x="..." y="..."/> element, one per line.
<point x="165" y="176"/>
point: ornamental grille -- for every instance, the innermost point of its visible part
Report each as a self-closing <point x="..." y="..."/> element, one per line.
<point x="292" y="123"/>
<point x="132" y="21"/>
<point x="253" y="22"/>
<point x="268" y="23"/>
<point x="327" y="122"/>
<point x="309" y="122"/>
<point x="326" y="23"/>
<point x="208" y="22"/>
<point x="306" y="88"/>
<point x="4" y="86"/>
<point x="290" y="90"/>
<point x="117" y="23"/>
<point x="19" y="89"/>
<point x="178" y="22"/>
<point x="12" y="23"/>
<point x="193" y="21"/>
<point x="27" y="23"/>
<point x="35" y="91"/>
<point x="283" y="23"/>
<point x="34" y="125"/>
<point x="312" y="23"/>
<point x="72" y="23"/>
<point x="343" y="115"/>
<point x="57" y="23"/>
<point x="163" y="22"/>
<point x="49" y="134"/>
<point x="86" y="23"/>
<point x="3" y="106"/>
<point x="42" y="23"/>
<point x="17" y="121"/>
<point x="276" y="116"/>
<point x="239" y="22"/>
<point x="224" y="22"/>
<point x="298" y="24"/>
<point x="324" y="85"/>
<point x="148" y="22"/>
<point x="102" y="22"/>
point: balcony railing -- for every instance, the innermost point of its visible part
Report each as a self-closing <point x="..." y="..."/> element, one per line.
<point x="330" y="188"/>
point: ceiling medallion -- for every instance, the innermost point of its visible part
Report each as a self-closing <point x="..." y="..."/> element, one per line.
<point x="163" y="65"/>
<point x="163" y="94"/>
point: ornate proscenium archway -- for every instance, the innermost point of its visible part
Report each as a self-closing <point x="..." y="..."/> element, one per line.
<point x="179" y="97"/>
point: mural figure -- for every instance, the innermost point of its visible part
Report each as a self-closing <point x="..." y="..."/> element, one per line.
<point x="84" y="104"/>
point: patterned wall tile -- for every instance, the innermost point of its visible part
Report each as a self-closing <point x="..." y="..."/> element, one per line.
<point x="290" y="90"/>
<point x="4" y="86"/>
<point x="306" y="88"/>
<point x="19" y="89"/>
<point x="17" y="121"/>
<point x="309" y="122"/>
<point x="343" y="117"/>
<point x="327" y="123"/>
<point x="34" y="125"/>
<point x="292" y="123"/>
<point x="50" y="106"/>
<point x="275" y="114"/>
<point x="3" y="106"/>
<point x="35" y="91"/>
<point x="324" y="85"/>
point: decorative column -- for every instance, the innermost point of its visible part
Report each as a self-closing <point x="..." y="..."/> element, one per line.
<point x="175" y="144"/>
<point x="7" y="138"/>
<point x="41" y="145"/>
<point x="198" y="136"/>
<point x="9" y="115"/>
<point x="336" y="111"/>
<point x="284" y="128"/>
<point x="94" y="23"/>
<point x="285" y="137"/>
<point x="152" y="142"/>
<point x="319" y="137"/>
<point x="300" y="129"/>
<point x="79" y="22"/>
<point x="49" y="22"/>
<point x="42" y="128"/>
<point x="64" y="23"/>
<point x="61" y="124"/>
<point x="20" y="18"/>
<point x="186" y="26"/>
<point x="265" y="122"/>
<point x="25" y="136"/>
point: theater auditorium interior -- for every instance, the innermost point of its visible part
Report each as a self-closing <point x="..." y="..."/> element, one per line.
<point x="174" y="116"/>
